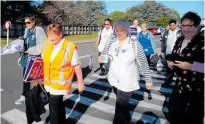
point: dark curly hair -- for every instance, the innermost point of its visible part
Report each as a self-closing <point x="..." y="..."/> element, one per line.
<point x="193" y="17"/>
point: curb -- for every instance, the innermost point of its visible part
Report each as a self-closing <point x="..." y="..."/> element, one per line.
<point x="82" y="42"/>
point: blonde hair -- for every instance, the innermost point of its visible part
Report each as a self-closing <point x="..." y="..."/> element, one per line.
<point x="56" y="28"/>
<point x="31" y="18"/>
<point x="145" y="24"/>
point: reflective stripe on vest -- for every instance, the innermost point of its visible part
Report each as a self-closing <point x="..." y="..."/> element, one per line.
<point x="64" y="61"/>
<point x="62" y="79"/>
<point x="58" y="81"/>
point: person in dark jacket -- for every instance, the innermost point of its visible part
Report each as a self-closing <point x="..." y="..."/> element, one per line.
<point x="167" y="43"/>
<point x="34" y="104"/>
<point x="186" y="103"/>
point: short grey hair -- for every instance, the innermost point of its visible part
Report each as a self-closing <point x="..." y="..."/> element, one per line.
<point x="123" y="24"/>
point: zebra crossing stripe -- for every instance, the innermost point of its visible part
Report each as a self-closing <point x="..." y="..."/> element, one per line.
<point x="110" y="109"/>
<point x="132" y="101"/>
<point x="142" y="78"/>
<point x="16" y="116"/>
<point x="155" y="96"/>
<point x="82" y="117"/>
<point x="156" y="88"/>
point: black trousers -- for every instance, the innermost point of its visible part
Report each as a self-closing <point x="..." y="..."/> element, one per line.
<point x="148" y="59"/>
<point x="102" y="68"/>
<point x="57" y="109"/>
<point x="26" y="85"/>
<point x="186" y="108"/>
<point x="170" y="73"/>
<point x="122" y="109"/>
<point x="169" y="76"/>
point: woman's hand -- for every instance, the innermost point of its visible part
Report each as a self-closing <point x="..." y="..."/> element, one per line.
<point x="81" y="86"/>
<point x="99" y="59"/>
<point x="148" y="85"/>
<point x="170" y="64"/>
<point x="183" y="65"/>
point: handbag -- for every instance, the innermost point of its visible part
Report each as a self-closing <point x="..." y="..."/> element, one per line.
<point x="44" y="95"/>
<point x="154" y="59"/>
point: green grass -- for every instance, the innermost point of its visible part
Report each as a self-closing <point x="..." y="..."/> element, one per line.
<point x="73" y="38"/>
<point x="4" y="41"/>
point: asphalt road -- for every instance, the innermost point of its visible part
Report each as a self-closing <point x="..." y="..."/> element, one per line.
<point x="95" y="105"/>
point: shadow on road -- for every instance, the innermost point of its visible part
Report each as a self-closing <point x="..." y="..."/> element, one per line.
<point x="86" y="70"/>
<point x="77" y="104"/>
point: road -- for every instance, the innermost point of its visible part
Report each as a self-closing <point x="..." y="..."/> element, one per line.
<point x="95" y="105"/>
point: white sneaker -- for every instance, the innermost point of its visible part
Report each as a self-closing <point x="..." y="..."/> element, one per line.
<point x="20" y="101"/>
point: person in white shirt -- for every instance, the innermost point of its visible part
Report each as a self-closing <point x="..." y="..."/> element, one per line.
<point x="135" y="29"/>
<point x="127" y="60"/>
<point x="167" y="43"/>
<point x="105" y="33"/>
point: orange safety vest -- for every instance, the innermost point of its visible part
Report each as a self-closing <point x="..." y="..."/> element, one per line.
<point x="58" y="74"/>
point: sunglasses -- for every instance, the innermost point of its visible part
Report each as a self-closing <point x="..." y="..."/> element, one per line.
<point x="106" y="24"/>
<point x="27" y="22"/>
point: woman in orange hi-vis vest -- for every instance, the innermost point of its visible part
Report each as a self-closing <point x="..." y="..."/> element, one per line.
<point x="60" y="63"/>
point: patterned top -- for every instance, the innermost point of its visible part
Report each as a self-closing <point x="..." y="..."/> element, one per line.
<point x="188" y="80"/>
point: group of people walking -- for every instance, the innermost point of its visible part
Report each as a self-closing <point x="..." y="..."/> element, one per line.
<point x="127" y="50"/>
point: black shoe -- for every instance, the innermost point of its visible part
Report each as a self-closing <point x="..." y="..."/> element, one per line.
<point x="105" y="72"/>
<point x="38" y="119"/>
<point x="102" y="73"/>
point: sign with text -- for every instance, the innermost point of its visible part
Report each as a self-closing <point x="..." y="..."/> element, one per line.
<point x="34" y="69"/>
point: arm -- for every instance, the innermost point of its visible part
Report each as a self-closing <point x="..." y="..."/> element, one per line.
<point x="199" y="67"/>
<point x="35" y="50"/>
<point x="79" y="74"/>
<point x="40" y="38"/>
<point x="152" y="41"/>
<point x="78" y="71"/>
<point x="163" y="48"/>
<point x="138" y="35"/>
<point x="143" y="63"/>
<point x="98" y="40"/>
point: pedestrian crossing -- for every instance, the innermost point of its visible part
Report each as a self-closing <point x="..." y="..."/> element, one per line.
<point x="97" y="103"/>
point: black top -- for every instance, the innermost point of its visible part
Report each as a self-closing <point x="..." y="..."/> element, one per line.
<point x="187" y="80"/>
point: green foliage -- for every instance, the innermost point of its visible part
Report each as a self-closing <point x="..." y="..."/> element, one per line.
<point x="150" y="12"/>
<point x="15" y="11"/>
<point x="163" y="21"/>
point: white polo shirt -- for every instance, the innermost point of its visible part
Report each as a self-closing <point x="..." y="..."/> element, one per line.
<point x="105" y="35"/>
<point x="123" y="70"/>
<point x="172" y="37"/>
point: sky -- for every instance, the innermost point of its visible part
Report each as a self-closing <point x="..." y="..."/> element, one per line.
<point x="180" y="6"/>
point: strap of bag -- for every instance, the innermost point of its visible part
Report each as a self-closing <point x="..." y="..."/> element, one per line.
<point x="35" y="84"/>
<point x="42" y="88"/>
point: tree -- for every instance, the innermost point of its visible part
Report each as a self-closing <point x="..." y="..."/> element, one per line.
<point x="118" y="15"/>
<point x="15" y="11"/>
<point x="101" y="20"/>
<point x="93" y="10"/>
<point x="74" y="12"/>
<point x="150" y="12"/>
<point x="163" y="21"/>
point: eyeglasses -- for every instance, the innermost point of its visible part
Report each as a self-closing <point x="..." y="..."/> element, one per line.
<point x="27" y="22"/>
<point x="186" y="26"/>
<point x="106" y="24"/>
